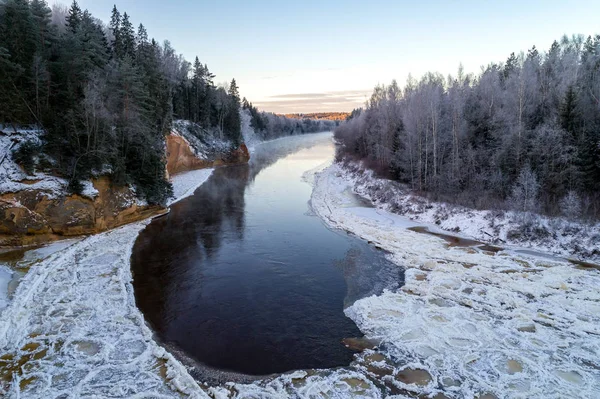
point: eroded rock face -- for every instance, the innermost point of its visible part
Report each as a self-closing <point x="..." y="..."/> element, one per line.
<point x="181" y="156"/>
<point x="31" y="217"/>
<point x="34" y="216"/>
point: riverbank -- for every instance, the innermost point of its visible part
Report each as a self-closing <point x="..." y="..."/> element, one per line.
<point x="478" y="322"/>
<point x="561" y="237"/>
<point x="468" y="322"/>
<point x="73" y="328"/>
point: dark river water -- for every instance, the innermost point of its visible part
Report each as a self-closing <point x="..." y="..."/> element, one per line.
<point x="243" y="277"/>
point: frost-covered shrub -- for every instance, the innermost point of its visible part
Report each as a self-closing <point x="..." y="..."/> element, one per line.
<point x="570" y="205"/>
<point x="528" y="228"/>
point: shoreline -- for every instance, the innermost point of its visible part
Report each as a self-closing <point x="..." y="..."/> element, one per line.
<point x="562" y="238"/>
<point x="478" y="323"/>
<point x="108" y="348"/>
<point x="465" y="324"/>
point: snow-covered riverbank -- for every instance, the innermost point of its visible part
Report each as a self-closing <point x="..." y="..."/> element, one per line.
<point x="73" y="329"/>
<point x="556" y="235"/>
<point x="478" y="322"/>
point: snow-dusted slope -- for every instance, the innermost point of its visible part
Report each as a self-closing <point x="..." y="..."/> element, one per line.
<point x="13" y="179"/>
<point x="204" y="143"/>
<point x="479" y="323"/>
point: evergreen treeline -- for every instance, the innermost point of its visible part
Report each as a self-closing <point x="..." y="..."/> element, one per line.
<point x="267" y="125"/>
<point x="105" y="96"/>
<point x="523" y="134"/>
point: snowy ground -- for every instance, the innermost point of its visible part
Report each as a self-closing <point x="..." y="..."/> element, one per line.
<point x="553" y="235"/>
<point x="479" y="323"/>
<point x="14" y="179"/>
<point x="184" y="184"/>
<point x="5" y="278"/>
<point x="73" y="330"/>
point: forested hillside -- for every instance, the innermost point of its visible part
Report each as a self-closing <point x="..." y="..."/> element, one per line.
<point x="523" y="134"/>
<point x="105" y="96"/>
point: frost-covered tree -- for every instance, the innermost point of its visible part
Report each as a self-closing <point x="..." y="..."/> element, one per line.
<point x="466" y="138"/>
<point x="105" y="96"/>
<point x="570" y="205"/>
<point x="525" y="192"/>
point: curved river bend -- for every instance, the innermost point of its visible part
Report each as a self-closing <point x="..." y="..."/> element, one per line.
<point x="242" y="276"/>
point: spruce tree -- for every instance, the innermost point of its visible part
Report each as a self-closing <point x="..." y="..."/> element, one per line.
<point x="17" y="37"/>
<point x="127" y="37"/>
<point x="74" y="17"/>
<point x="233" y="121"/>
<point x="115" y="28"/>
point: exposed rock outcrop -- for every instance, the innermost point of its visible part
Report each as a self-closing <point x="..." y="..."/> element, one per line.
<point x="36" y="209"/>
<point x="33" y="216"/>
<point x="181" y="156"/>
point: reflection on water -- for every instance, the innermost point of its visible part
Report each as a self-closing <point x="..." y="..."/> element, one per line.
<point x="241" y="277"/>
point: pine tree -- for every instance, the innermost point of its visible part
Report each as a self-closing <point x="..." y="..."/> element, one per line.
<point x="510" y="66"/>
<point x="17" y="37"/>
<point x="234" y="91"/>
<point x="233" y="121"/>
<point x="142" y="39"/>
<point x="568" y="113"/>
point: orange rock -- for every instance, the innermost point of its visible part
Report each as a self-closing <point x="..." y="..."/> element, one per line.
<point x="181" y="157"/>
<point x="31" y="217"/>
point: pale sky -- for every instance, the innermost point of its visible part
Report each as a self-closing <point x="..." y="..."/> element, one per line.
<point x="313" y="56"/>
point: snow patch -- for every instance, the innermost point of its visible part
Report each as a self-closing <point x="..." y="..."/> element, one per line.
<point x="186" y="183"/>
<point x="5" y="278"/>
<point x="14" y="179"/>
<point x="555" y="235"/>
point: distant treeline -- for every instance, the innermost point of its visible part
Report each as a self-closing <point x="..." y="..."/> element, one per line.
<point x="330" y="116"/>
<point x="523" y="134"/>
<point x="267" y="125"/>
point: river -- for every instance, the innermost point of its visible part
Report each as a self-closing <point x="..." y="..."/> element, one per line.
<point x="243" y="277"/>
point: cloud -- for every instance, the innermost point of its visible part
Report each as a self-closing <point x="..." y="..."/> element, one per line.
<point x="306" y="95"/>
<point x="332" y="101"/>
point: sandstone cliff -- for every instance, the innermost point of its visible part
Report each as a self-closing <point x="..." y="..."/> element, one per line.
<point x="35" y="216"/>
<point x="181" y="156"/>
<point x="35" y="208"/>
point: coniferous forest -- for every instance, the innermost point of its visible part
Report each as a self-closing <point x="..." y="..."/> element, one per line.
<point x="106" y="96"/>
<point x="522" y="135"/>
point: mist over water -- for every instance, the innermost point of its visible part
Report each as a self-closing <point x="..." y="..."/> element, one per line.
<point x="242" y="277"/>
